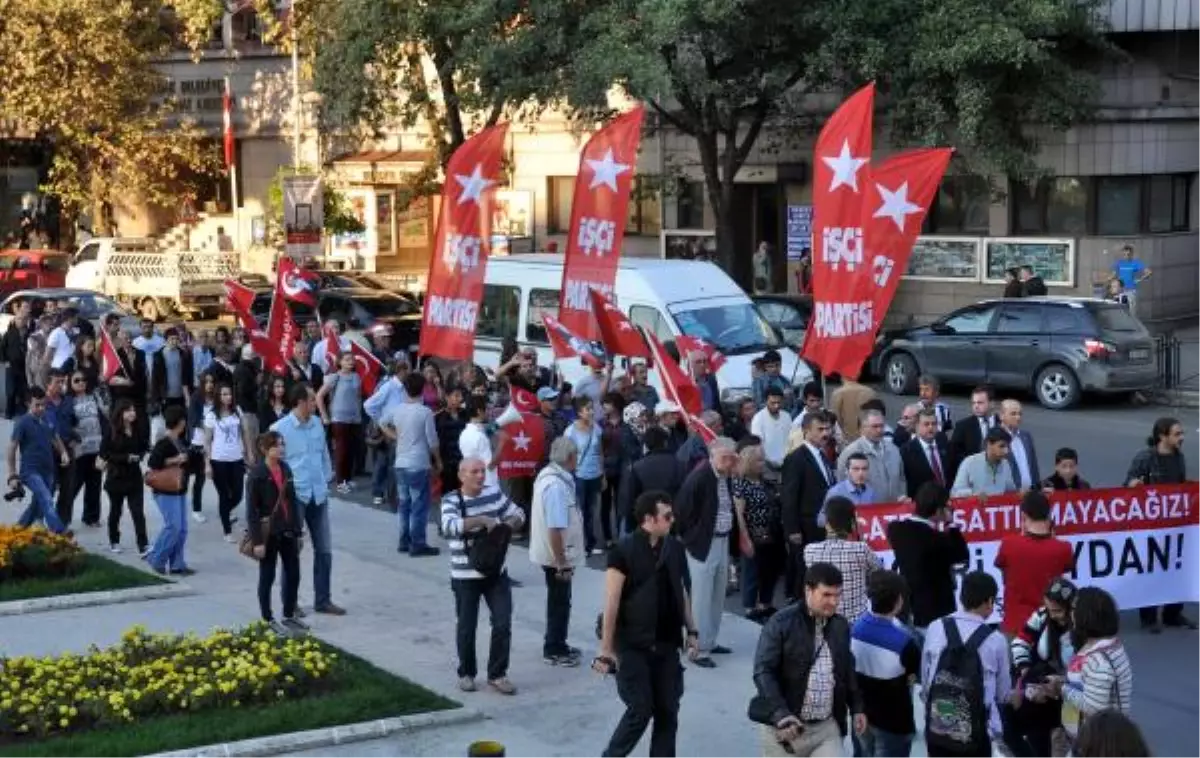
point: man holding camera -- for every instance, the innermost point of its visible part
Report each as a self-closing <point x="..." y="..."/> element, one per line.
<point x="37" y="440"/>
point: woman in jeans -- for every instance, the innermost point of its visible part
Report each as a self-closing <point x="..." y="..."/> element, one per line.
<point x="589" y="468"/>
<point x="343" y="414"/>
<point x="226" y="454"/>
<point x="88" y="422"/>
<point x="199" y="407"/>
<point x="167" y="552"/>
<point x="272" y="498"/>
<point x="759" y="518"/>
<point x="121" y="456"/>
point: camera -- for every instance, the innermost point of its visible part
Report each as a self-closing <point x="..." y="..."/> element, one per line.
<point x="16" y="492"/>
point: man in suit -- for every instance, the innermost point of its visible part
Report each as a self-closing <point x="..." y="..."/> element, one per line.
<point x="969" y="434"/>
<point x="926" y="456"/>
<point x="704" y="521"/>
<point x="1022" y="455"/>
<point x="805" y="480"/>
<point x="710" y="396"/>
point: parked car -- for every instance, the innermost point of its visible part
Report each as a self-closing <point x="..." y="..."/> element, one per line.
<point x="92" y="306"/>
<point x="359" y="280"/>
<point x="1056" y="347"/>
<point x="789" y="314"/>
<point x="362" y="311"/>
<point x="32" y="269"/>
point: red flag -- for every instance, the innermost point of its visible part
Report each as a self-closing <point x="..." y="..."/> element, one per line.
<point x="282" y="330"/>
<point x="367" y="366"/>
<point x="110" y="363"/>
<point x="227" y="114"/>
<point x="333" y="346"/>
<point x="699" y="427"/>
<point x="567" y="344"/>
<point x="297" y="284"/>
<point x="522" y="399"/>
<point x="521" y="447"/>
<point x="689" y="344"/>
<point x="238" y="298"/>
<point x="678" y="387"/>
<point x="598" y="215"/>
<point x="618" y="334"/>
<point x="266" y="348"/>
<point x="842" y="151"/>
<point x="464" y="233"/>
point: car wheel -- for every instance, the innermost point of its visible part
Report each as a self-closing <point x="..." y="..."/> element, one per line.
<point x="1056" y="387"/>
<point x="149" y="309"/>
<point x="900" y="376"/>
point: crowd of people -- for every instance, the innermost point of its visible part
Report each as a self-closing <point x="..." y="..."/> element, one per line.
<point x="763" y="500"/>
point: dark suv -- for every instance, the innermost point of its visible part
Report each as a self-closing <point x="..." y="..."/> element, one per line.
<point x="1057" y="347"/>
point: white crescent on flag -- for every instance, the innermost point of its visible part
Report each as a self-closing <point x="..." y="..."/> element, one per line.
<point x="295" y="286"/>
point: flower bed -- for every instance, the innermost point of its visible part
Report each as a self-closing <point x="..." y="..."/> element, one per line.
<point x="132" y="698"/>
<point x="37" y="552"/>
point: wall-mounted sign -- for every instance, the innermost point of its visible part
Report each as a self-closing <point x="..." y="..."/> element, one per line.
<point x="303" y="215"/>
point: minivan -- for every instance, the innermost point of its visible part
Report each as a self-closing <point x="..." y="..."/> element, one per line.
<point x="667" y="297"/>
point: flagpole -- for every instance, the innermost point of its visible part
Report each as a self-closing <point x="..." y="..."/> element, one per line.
<point x="232" y="164"/>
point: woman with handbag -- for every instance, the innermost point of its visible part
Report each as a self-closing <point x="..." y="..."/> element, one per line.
<point x="275" y="530"/>
<point x="226" y="455"/>
<point x="120" y="456"/>
<point x="167" y="481"/>
<point x="83" y="361"/>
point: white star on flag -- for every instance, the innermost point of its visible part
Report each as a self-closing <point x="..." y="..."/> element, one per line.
<point x="896" y="205"/>
<point x="472" y="185"/>
<point x="845" y="168"/>
<point x="606" y="171"/>
<point x="626" y="326"/>
<point x="522" y="441"/>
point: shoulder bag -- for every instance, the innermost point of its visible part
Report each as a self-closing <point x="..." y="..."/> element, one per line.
<point x="168" y="480"/>
<point x="487" y="549"/>
<point x="246" y="543"/>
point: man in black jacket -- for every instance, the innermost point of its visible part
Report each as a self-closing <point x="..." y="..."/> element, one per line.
<point x="704" y="522"/>
<point x="171" y="379"/>
<point x="247" y="379"/>
<point x="657" y="470"/>
<point x="804" y="672"/>
<point x="646" y="605"/>
<point x="12" y="352"/>
<point x="926" y="556"/>
<point x="926" y="457"/>
<point x="806" y="478"/>
<point x="969" y="433"/>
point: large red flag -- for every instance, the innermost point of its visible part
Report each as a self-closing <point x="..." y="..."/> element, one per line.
<point x="297" y="284"/>
<point x="333" y="346"/>
<point x="367" y="366"/>
<point x="521" y="447"/>
<point x="619" y="335"/>
<point x="566" y="344"/>
<point x="282" y="330"/>
<point x="238" y="298"/>
<point x="110" y="363"/>
<point x="598" y="215"/>
<point x="464" y="234"/>
<point x="842" y="152"/>
<point x="689" y="344"/>
<point x="267" y="349"/>
<point x="678" y="387"/>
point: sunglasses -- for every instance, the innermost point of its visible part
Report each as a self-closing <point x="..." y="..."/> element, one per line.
<point x="78" y="380"/>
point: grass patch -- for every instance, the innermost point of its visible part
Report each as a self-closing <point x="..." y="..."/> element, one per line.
<point x="365" y="692"/>
<point x="97" y="574"/>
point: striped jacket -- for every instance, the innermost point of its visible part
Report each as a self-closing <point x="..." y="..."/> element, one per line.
<point x="1035" y="641"/>
<point x="457" y="508"/>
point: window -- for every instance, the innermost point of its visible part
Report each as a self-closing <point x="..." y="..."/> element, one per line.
<point x="645" y="207"/>
<point x="944" y="259"/>
<point x="332" y="307"/>
<point x="1051" y="206"/>
<point x="734" y="329"/>
<point x="689" y="205"/>
<point x="963" y="206"/>
<point x="1103" y="206"/>
<point x="541" y="304"/>
<point x="1118" y="205"/>
<point x="972" y="320"/>
<point x="1020" y="319"/>
<point x="1167" y="208"/>
<point x="1053" y="260"/>
<point x="88" y="252"/>
<point x="1116" y="318"/>
<point x="650" y="319"/>
<point x="56" y="263"/>
<point x="1064" y="320"/>
<point x="560" y="192"/>
<point x="499" y="312"/>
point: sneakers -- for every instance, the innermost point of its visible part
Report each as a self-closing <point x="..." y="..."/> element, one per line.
<point x="296" y="625"/>
<point x="466" y="684"/>
<point x="185" y="571"/>
<point x="143" y="553"/>
<point x="377" y="501"/>
<point x="300" y="612"/>
<point x="330" y="609"/>
<point x="279" y="628"/>
<point x="503" y="686"/>
<point x="425" y="551"/>
<point x="569" y="659"/>
<point x="115" y="549"/>
<point x="230" y="539"/>
<point x="344" y="488"/>
<point x="199" y="517"/>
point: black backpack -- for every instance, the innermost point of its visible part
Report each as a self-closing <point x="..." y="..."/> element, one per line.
<point x="956" y="712"/>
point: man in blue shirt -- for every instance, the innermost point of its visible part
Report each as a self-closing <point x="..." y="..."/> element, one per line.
<point x="854" y="487"/>
<point x="307" y="455"/>
<point x="35" y="437"/>
<point x="1132" y="272"/>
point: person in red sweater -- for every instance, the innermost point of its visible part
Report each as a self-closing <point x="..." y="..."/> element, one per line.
<point x="1029" y="561"/>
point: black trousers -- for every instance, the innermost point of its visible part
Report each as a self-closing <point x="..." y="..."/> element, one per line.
<point x="283" y="549"/>
<point x="1027" y="729"/>
<point x="195" y="471"/>
<point x="609" y="505"/>
<point x="137" y="512"/>
<point x="497" y="593"/>
<point x="85" y="476"/>
<point x="558" y="613"/>
<point x="983" y="751"/>
<point x="229" y="480"/>
<point x="64" y="503"/>
<point x="1171" y="614"/>
<point x="794" y="571"/>
<point x="520" y="491"/>
<point x="650" y="684"/>
<point x="769" y="564"/>
<point x="16" y="391"/>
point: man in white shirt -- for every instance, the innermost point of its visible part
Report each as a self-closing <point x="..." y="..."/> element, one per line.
<point x="772" y="426"/>
<point x="60" y="346"/>
<point x="1022" y="455"/>
<point x="556" y="544"/>
<point x="321" y="348"/>
<point x="474" y="443"/>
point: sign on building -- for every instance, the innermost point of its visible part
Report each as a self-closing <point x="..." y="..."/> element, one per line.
<point x="303" y="215"/>
<point x="799" y="230"/>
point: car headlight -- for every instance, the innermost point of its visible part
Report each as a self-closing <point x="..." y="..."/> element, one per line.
<point x="734" y="394"/>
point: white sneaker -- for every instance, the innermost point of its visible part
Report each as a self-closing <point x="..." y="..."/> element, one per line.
<point x="114" y="548"/>
<point x="199" y="517"/>
<point x="230" y="539"/>
<point x="377" y="500"/>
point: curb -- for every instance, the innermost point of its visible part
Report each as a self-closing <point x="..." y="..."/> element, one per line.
<point x="278" y="744"/>
<point x="1177" y="398"/>
<point x="89" y="599"/>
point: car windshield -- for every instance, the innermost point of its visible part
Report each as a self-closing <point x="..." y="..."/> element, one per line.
<point x="734" y="328"/>
<point x="56" y="263"/>
<point x="386" y="304"/>
<point x="1115" y="318"/>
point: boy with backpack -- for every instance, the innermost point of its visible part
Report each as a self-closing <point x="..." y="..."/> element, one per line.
<point x="965" y="674"/>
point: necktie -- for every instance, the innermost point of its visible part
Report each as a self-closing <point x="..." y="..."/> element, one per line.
<point x="985" y="427"/>
<point x="936" y="465"/>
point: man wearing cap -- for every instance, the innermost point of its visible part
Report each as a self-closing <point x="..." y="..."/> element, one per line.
<point x="671" y="420"/>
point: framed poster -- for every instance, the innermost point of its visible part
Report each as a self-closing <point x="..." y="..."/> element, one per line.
<point x="303" y="215"/>
<point x="1051" y="259"/>
<point x="953" y="259"/>
<point x="799" y="231"/>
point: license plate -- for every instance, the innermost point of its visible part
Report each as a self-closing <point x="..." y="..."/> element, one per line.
<point x="1139" y="355"/>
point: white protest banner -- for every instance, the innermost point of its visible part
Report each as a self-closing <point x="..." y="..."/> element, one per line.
<point x="303" y="215"/>
<point x="1140" y="544"/>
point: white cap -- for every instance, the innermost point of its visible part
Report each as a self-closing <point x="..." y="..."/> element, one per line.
<point x="666" y="406"/>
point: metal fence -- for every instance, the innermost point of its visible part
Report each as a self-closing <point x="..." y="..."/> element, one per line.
<point x="1177" y="361"/>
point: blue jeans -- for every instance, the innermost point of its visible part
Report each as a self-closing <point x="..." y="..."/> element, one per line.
<point x="316" y="520"/>
<point x="41" y="502"/>
<point x="587" y="494"/>
<point x="412" y="494"/>
<point x="877" y="742"/>
<point x="383" y="477"/>
<point x="167" y="551"/>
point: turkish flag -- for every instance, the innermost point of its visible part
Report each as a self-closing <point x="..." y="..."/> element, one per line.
<point x="598" y="215"/>
<point x="267" y="349"/>
<point x="678" y="387"/>
<point x="689" y="344"/>
<point x="522" y="399"/>
<point x="521" y="447"/>
<point x="367" y="366"/>
<point x="110" y="363"/>
<point x="238" y="298"/>
<point x="464" y="234"/>
<point x="333" y="346"/>
<point x="566" y="344"/>
<point x="227" y="117"/>
<point x="842" y="153"/>
<point x="297" y="284"/>
<point x="282" y="329"/>
<point x="617" y="333"/>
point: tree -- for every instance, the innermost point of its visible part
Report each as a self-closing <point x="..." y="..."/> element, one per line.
<point x="80" y="76"/>
<point x="971" y="73"/>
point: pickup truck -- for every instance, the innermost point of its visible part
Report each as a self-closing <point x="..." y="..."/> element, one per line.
<point x="155" y="283"/>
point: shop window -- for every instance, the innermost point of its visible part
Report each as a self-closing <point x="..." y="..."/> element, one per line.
<point x="560" y="192"/>
<point x="1169" y="197"/>
<point x="645" y="208"/>
<point x="689" y="205"/>
<point x="1058" y="205"/>
<point x="1118" y="205"/>
<point x="963" y="207"/>
<point x="500" y="312"/>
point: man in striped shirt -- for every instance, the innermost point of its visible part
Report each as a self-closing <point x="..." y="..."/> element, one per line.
<point x="472" y="509"/>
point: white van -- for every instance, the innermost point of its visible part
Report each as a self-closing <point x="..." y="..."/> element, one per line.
<point x="668" y="297"/>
